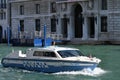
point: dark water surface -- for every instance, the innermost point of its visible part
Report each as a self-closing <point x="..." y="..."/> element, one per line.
<point x="108" y="69"/>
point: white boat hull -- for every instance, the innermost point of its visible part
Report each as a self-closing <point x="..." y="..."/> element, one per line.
<point x="47" y="66"/>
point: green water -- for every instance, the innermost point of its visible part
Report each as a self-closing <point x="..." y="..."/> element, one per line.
<point x="108" y="69"/>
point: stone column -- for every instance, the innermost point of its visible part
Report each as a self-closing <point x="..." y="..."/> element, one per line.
<point x="59" y="26"/>
<point x="96" y="28"/>
<point x="69" y="30"/>
<point x="85" y="29"/>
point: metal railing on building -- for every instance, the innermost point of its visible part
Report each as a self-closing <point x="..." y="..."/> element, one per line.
<point x="36" y="34"/>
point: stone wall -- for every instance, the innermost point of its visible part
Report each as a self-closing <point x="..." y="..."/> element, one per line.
<point x="30" y="15"/>
<point x="114" y="19"/>
<point x="45" y="16"/>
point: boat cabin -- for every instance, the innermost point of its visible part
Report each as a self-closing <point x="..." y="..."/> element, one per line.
<point x="51" y="52"/>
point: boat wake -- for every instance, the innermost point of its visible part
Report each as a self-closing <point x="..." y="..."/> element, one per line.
<point x="86" y="72"/>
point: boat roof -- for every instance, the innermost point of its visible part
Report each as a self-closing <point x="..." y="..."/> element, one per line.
<point x="53" y="48"/>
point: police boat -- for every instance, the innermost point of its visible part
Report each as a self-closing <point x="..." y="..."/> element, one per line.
<point x="50" y="59"/>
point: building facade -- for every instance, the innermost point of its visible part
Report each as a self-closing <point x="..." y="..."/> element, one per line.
<point x="3" y="20"/>
<point x="75" y="20"/>
<point x="29" y="17"/>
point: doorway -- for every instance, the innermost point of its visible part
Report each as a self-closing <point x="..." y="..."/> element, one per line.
<point x="64" y="27"/>
<point x="91" y="22"/>
<point x="78" y="21"/>
<point x="0" y="34"/>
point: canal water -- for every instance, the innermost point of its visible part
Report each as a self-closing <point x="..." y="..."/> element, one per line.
<point x="108" y="69"/>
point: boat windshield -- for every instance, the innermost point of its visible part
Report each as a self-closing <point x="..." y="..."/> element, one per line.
<point x="70" y="53"/>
